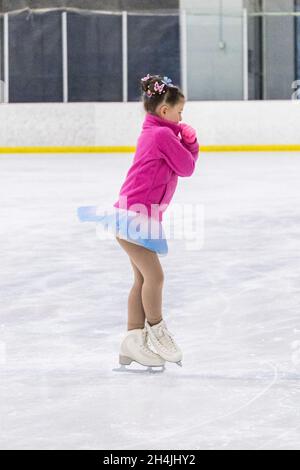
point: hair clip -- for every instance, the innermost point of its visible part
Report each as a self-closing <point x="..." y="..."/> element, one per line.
<point x="167" y="80"/>
<point x="144" y="79"/>
<point x="158" y="87"/>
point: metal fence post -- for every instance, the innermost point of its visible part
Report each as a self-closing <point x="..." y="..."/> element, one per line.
<point x="125" y="55"/>
<point x="183" y="52"/>
<point x="65" y="57"/>
<point x="6" y="59"/>
<point x="245" y="55"/>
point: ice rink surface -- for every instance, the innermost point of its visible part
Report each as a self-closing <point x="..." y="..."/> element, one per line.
<point x="233" y="307"/>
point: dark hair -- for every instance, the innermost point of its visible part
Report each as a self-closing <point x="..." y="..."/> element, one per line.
<point x="171" y="94"/>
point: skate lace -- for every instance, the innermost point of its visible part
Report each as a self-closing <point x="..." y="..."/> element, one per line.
<point x="145" y="346"/>
<point x="163" y="331"/>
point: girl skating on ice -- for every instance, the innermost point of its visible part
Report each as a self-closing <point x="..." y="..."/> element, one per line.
<point x="165" y="150"/>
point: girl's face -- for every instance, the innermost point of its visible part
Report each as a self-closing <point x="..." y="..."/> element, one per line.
<point x="172" y="113"/>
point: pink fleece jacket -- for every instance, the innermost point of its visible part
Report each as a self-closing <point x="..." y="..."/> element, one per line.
<point x="161" y="156"/>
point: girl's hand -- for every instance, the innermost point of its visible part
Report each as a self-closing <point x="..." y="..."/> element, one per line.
<point x="188" y="133"/>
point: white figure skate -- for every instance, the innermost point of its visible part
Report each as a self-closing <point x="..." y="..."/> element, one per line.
<point x="163" y="342"/>
<point x="134" y="348"/>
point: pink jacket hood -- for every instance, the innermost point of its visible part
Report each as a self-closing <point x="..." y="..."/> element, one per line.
<point x="161" y="156"/>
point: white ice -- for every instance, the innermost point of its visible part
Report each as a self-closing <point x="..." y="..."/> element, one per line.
<point x="233" y="307"/>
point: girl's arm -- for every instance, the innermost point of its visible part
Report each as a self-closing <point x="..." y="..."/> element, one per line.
<point x="179" y="155"/>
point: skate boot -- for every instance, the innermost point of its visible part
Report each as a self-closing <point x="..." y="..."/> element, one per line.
<point x="163" y="342"/>
<point x="134" y="348"/>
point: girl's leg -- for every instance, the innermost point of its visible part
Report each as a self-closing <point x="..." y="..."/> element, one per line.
<point x="136" y="313"/>
<point x="148" y="264"/>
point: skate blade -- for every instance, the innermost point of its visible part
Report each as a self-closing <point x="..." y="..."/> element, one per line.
<point x="179" y="363"/>
<point x="148" y="370"/>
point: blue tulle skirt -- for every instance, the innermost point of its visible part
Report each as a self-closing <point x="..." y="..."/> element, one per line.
<point x="131" y="226"/>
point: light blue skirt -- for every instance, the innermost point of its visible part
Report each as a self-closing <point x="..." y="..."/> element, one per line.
<point x="131" y="226"/>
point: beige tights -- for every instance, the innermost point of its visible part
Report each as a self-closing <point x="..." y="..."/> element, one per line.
<point x="145" y="297"/>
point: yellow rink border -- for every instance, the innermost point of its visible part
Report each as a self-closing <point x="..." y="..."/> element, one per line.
<point x="125" y="149"/>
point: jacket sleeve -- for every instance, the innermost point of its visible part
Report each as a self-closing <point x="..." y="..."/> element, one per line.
<point x="179" y="155"/>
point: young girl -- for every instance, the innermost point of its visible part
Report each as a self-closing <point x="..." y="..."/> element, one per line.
<point x="161" y="156"/>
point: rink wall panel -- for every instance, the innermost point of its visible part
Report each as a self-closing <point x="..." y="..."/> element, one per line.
<point x="117" y="125"/>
